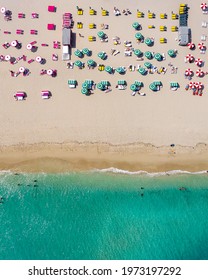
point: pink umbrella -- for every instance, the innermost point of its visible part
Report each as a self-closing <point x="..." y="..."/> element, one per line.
<point x="14" y="43"/>
<point x="21" y="69"/>
<point x="38" y="59"/>
<point x="203" y="6"/>
<point x="198" y="62"/>
<point x="7" y="57"/>
<point x="191" y="46"/>
<point x="201" y="46"/>
<point x="190" y="57"/>
<point x="199" y="73"/>
<point x="49" y="72"/>
<point x="188" y="72"/>
<point x="29" y="47"/>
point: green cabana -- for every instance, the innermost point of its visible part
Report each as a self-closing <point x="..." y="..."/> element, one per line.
<point x="102" y="55"/>
<point x="86" y="51"/>
<point x="148" y="55"/>
<point x="101" y="34"/>
<point x="139" y="36"/>
<point x="148" y="42"/>
<point x="158" y="56"/>
<point x="142" y="70"/>
<point x="137" y="52"/>
<point x="136" y="25"/>
<point x="153" y="87"/>
<point x="109" y="69"/>
<point x="171" y="53"/>
<point x="148" y="65"/>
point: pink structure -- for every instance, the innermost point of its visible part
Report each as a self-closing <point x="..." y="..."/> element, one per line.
<point x="51" y="26"/>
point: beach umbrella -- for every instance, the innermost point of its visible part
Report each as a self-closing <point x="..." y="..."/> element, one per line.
<point x="142" y="71"/>
<point x="190" y="57"/>
<point x="133" y="87"/>
<point x="136" y="25"/>
<point x="49" y="72"/>
<point x="199" y="73"/>
<point x="84" y="90"/>
<point x="7" y="57"/>
<point x="191" y="85"/>
<point x="148" y="42"/>
<point x="78" y="63"/>
<point x="191" y="46"/>
<point x="139" y="36"/>
<point x="102" y="55"/>
<point x="21" y="69"/>
<point x="201" y="46"/>
<point x="85" y="85"/>
<point x="91" y="62"/>
<point x="148" y="55"/>
<point x="100" y="86"/>
<point x="109" y="69"/>
<point x="3" y="10"/>
<point x="171" y="53"/>
<point x="198" y="62"/>
<point x="120" y="70"/>
<point x="189" y="72"/>
<point x="203" y="6"/>
<point x="14" y="43"/>
<point x="29" y="47"/>
<point x="38" y="58"/>
<point x="86" y="51"/>
<point x="199" y="85"/>
<point x="78" y="53"/>
<point x="148" y="65"/>
<point x="137" y="52"/>
<point x="158" y="56"/>
<point x="153" y="87"/>
<point x="101" y="34"/>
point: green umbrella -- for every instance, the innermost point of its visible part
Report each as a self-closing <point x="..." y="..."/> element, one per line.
<point x="108" y="69"/>
<point x="139" y="36"/>
<point x="102" y="55"/>
<point x="136" y="25"/>
<point x="142" y="71"/>
<point x="78" y="53"/>
<point x="85" y="85"/>
<point x="78" y="63"/>
<point x="133" y="87"/>
<point x="148" y="42"/>
<point x="137" y="52"/>
<point x="101" y="34"/>
<point x="171" y="53"/>
<point x="148" y="65"/>
<point x="153" y="87"/>
<point x="148" y="55"/>
<point x="91" y="62"/>
<point x="120" y="70"/>
<point x="86" y="51"/>
<point x="84" y="91"/>
<point x="158" y="56"/>
<point x="100" y="86"/>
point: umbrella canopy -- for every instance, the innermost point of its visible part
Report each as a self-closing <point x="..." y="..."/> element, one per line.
<point x="148" y="65"/>
<point x="189" y="72"/>
<point x="49" y="72"/>
<point x="199" y="85"/>
<point x="191" y="85"/>
<point x="78" y="53"/>
<point x="191" y="46"/>
<point x="201" y="46"/>
<point x="86" y="51"/>
<point x="137" y="52"/>
<point x="100" y="86"/>
<point x="14" y="43"/>
<point x="78" y="63"/>
<point x="139" y="36"/>
<point x="198" y="62"/>
<point x="148" y="42"/>
<point x="91" y="62"/>
<point x="38" y="58"/>
<point x="120" y="70"/>
<point x="142" y="71"/>
<point x="158" y="56"/>
<point x="171" y="53"/>
<point x="29" y="47"/>
<point x="7" y="57"/>
<point x="3" y="10"/>
<point x="102" y="55"/>
<point x="148" y="55"/>
<point x="133" y="87"/>
<point x="136" y="25"/>
<point x="199" y="73"/>
<point x="84" y="90"/>
<point x="109" y="69"/>
<point x="203" y="6"/>
<point x="153" y="87"/>
<point x="190" y="57"/>
<point x="21" y="69"/>
<point x="85" y="85"/>
<point x="101" y="34"/>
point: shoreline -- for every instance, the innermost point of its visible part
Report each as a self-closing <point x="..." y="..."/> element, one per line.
<point x="135" y="157"/>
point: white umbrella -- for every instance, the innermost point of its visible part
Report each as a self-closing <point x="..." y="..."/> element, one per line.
<point x="14" y="43"/>
<point x="3" y="10"/>
<point x="49" y="72"/>
<point x="198" y="62"/>
<point x="38" y="59"/>
<point x="7" y="57"/>
<point x="188" y="72"/>
<point x="190" y="57"/>
<point x="199" y="73"/>
<point x="192" y="85"/>
<point x="191" y="46"/>
<point x="21" y="69"/>
<point x="29" y="47"/>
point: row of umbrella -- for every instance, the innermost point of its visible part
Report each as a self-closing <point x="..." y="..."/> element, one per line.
<point x="199" y="72"/>
<point x="86" y="51"/>
<point x="192" y="46"/>
<point x="190" y="58"/>
<point x="197" y="85"/>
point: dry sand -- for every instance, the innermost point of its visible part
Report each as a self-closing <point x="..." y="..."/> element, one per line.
<point x="116" y="118"/>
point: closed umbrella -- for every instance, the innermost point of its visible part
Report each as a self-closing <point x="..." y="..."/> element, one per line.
<point x="171" y="53"/>
<point x="102" y="55"/>
<point x="198" y="62"/>
<point x="49" y="72"/>
<point x="148" y="42"/>
<point x="85" y="85"/>
<point x="3" y="10"/>
<point x="109" y="69"/>
<point x="142" y="71"/>
<point x="91" y="62"/>
<point x="148" y="55"/>
<point x="158" y="56"/>
<point x="153" y="87"/>
<point x="203" y="6"/>
<point x="139" y="36"/>
<point x="136" y="25"/>
<point x="189" y="72"/>
<point x="133" y="87"/>
<point x="86" y="51"/>
<point x="101" y="34"/>
<point x="14" y="43"/>
<point x="137" y="52"/>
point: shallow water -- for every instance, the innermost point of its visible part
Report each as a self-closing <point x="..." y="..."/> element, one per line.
<point x="103" y="216"/>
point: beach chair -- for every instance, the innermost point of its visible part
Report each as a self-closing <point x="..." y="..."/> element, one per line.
<point x="174" y="16"/>
<point x="204" y="24"/>
<point x="79" y="25"/>
<point x="163" y="28"/>
<point x="79" y="12"/>
<point x="92" y="12"/>
<point x="19" y="31"/>
<point x="151" y="26"/>
<point x="92" y="26"/>
<point x="203" y="37"/>
<point x="91" y="38"/>
<point x="51" y="26"/>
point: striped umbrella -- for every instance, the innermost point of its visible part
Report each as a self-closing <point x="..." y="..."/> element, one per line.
<point x="191" y="85"/>
<point x="133" y="87"/>
<point x="100" y="86"/>
<point x="86" y="51"/>
<point x="142" y="71"/>
<point x="158" y="56"/>
<point x="153" y="87"/>
<point x="101" y="34"/>
<point x="201" y="46"/>
<point x="148" y="65"/>
<point x="109" y="69"/>
<point x="137" y="52"/>
<point x="78" y="63"/>
<point x="91" y="62"/>
<point x="198" y="62"/>
<point x="203" y="6"/>
<point x="139" y="36"/>
<point x="171" y="53"/>
<point x="136" y="25"/>
<point x="191" y="46"/>
<point x="199" y="73"/>
<point x="199" y="85"/>
<point x="148" y="55"/>
<point x="148" y="42"/>
<point x="84" y="91"/>
<point x="189" y="72"/>
<point x="102" y="55"/>
<point x="190" y="57"/>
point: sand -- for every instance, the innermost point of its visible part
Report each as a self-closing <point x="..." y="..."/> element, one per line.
<point x="36" y="128"/>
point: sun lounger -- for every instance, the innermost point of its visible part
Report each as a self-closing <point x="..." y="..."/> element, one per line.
<point x="91" y="38"/>
<point x="33" y="43"/>
<point x="44" y="45"/>
<point x="45" y="94"/>
<point x="19" y="95"/>
<point x="30" y="61"/>
<point x="33" y="32"/>
<point x="21" y="15"/>
<point x="19" y="31"/>
<point x="92" y="12"/>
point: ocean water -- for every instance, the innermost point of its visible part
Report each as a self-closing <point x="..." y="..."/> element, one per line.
<point x="102" y="215"/>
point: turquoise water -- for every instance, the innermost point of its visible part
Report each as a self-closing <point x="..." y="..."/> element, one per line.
<point x="103" y="216"/>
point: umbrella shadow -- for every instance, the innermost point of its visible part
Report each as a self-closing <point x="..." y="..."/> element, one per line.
<point x="34" y="49"/>
<point x="43" y="61"/>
